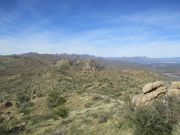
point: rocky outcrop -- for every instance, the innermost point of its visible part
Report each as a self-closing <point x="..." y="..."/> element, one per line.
<point x="85" y="65"/>
<point x="92" y="65"/>
<point x="154" y="90"/>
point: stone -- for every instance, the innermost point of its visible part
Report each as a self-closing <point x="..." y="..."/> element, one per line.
<point x="144" y="99"/>
<point x="154" y="94"/>
<point x="152" y="86"/>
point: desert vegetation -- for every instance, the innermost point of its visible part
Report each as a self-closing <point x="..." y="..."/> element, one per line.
<point x="65" y="96"/>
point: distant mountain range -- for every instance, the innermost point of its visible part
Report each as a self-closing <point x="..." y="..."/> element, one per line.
<point x="132" y="60"/>
<point x="166" y="66"/>
<point x="146" y="60"/>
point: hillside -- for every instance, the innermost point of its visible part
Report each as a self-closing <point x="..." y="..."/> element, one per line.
<point x="62" y="94"/>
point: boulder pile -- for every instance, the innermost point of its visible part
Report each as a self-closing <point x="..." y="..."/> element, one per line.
<point x="151" y="91"/>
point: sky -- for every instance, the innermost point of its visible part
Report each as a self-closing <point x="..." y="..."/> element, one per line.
<point x="108" y="28"/>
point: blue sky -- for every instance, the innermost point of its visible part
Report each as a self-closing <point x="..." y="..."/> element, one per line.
<point x="110" y="28"/>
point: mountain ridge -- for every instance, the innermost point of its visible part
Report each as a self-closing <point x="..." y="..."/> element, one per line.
<point x="134" y="59"/>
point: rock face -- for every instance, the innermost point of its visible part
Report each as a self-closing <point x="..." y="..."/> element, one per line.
<point x="154" y="90"/>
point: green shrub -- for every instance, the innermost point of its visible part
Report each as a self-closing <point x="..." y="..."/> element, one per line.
<point x="156" y="119"/>
<point x="61" y="111"/>
<point x="148" y="121"/>
<point x="55" y="99"/>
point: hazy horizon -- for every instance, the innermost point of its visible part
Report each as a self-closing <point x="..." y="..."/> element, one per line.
<point x="25" y="53"/>
<point x="118" y="28"/>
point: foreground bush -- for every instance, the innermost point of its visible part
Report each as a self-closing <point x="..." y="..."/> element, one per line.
<point x="149" y="121"/>
<point x="156" y="119"/>
<point x="55" y="99"/>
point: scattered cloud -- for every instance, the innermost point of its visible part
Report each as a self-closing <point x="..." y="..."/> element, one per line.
<point x="68" y="28"/>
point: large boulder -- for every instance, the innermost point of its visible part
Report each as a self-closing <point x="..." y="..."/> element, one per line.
<point x="151" y="91"/>
<point x="152" y="86"/>
<point x="154" y="94"/>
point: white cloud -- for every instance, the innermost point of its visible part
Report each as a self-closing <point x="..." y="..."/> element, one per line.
<point x="132" y="35"/>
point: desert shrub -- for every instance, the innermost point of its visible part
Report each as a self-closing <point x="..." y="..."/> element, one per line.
<point x="148" y="121"/>
<point x="156" y="119"/>
<point x="62" y="65"/>
<point x="24" y="104"/>
<point x="61" y="111"/>
<point x="55" y="99"/>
